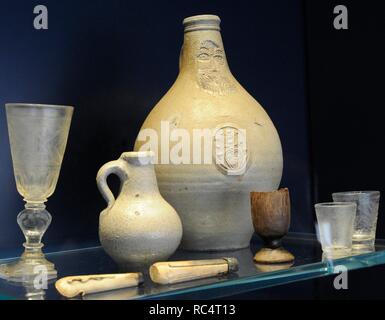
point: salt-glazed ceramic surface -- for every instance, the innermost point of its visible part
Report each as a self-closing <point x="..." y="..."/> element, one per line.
<point x="212" y="197"/>
<point x="138" y="227"/>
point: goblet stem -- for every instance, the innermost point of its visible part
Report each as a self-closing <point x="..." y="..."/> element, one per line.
<point x="34" y="220"/>
<point x="272" y="243"/>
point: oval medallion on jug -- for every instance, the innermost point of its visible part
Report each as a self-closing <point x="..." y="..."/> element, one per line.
<point x="214" y="144"/>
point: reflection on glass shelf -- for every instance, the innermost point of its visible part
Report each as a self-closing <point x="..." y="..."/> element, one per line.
<point x="309" y="263"/>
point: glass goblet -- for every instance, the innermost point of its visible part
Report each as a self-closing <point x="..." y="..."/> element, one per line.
<point x="38" y="136"/>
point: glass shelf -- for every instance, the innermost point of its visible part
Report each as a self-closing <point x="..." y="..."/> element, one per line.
<point x="308" y="264"/>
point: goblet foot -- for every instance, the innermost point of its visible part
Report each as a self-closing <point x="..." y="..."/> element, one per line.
<point x="32" y="293"/>
<point x="31" y="267"/>
<point x="276" y="255"/>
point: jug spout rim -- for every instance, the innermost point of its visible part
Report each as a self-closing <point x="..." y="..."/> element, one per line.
<point x="138" y="155"/>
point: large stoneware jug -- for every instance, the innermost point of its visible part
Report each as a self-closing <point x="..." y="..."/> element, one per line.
<point x="138" y="227"/>
<point x="214" y="144"/>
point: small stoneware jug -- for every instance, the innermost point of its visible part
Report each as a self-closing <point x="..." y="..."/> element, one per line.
<point x="138" y="227"/>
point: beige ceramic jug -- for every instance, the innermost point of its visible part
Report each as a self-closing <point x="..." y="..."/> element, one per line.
<point x="212" y="198"/>
<point x="138" y="227"/>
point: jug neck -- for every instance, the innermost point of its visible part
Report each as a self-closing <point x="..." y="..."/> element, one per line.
<point x="141" y="173"/>
<point x="203" y="53"/>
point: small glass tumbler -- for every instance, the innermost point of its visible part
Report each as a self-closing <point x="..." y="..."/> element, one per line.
<point x="335" y="227"/>
<point x="364" y="234"/>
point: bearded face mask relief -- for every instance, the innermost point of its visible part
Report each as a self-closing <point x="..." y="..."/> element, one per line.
<point x="212" y="68"/>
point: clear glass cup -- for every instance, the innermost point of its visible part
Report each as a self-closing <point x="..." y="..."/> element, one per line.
<point x="335" y="227"/>
<point x="38" y="137"/>
<point x="364" y="234"/>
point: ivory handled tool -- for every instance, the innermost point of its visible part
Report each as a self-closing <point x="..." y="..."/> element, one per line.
<point x="179" y="271"/>
<point x="81" y="285"/>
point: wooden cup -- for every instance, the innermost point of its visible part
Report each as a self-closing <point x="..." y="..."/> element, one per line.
<point x="270" y="212"/>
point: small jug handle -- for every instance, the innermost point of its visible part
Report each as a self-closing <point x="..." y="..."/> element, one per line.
<point x="117" y="167"/>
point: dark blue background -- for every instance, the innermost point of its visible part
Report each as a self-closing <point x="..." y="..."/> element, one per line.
<point x="113" y="60"/>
